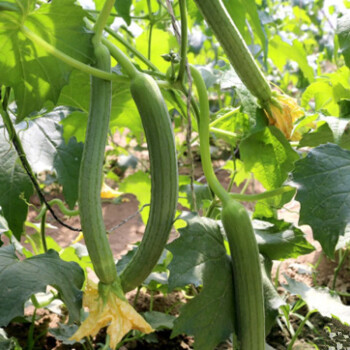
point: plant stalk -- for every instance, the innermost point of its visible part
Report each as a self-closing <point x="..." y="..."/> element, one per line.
<point x="98" y="73"/>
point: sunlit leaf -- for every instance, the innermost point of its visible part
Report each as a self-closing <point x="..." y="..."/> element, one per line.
<point x="123" y="8"/>
<point x="40" y="77"/>
<point x="281" y="51"/>
<point x="269" y="156"/>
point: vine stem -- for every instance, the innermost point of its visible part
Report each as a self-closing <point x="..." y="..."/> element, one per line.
<point x="126" y="44"/>
<point x="184" y="38"/>
<point x="204" y="146"/>
<point x="102" y="19"/>
<point x="59" y="203"/>
<point x="98" y="73"/>
<point x="122" y="59"/>
<point x="119" y="56"/>
<point x="300" y="328"/>
<point x="43" y="232"/>
<point x="150" y="14"/>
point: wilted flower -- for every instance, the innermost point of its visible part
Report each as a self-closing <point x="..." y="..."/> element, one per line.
<point x="107" y="309"/>
<point x="282" y="113"/>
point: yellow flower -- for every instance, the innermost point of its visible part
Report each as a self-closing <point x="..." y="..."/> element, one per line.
<point x="111" y="311"/>
<point x="282" y="113"/>
<point x="108" y="192"/>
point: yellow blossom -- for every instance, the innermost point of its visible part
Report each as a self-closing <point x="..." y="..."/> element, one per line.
<point x="282" y="113"/>
<point x="108" y="192"/>
<point x="111" y="311"/>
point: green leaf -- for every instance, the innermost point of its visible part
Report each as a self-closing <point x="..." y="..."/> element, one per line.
<point x="323" y="180"/>
<point x="269" y="156"/>
<point x="320" y="136"/>
<point x="200" y="255"/>
<point x="202" y="193"/>
<point x="123" y="8"/>
<point x="139" y="184"/>
<point x="232" y="121"/>
<point x="236" y="169"/>
<point x="36" y="76"/>
<point x="330" y="129"/>
<point x="280" y="240"/>
<point x="158" y="36"/>
<point x="257" y="118"/>
<point x="74" y="125"/>
<point x="72" y="254"/>
<point x="188" y="268"/>
<point x="328" y="91"/>
<point x="46" y="150"/>
<point x="77" y="95"/>
<point x="21" y="279"/>
<point x="319" y="299"/>
<point x="159" y="320"/>
<point x="267" y="208"/>
<point x="15" y="186"/>
<point x="67" y="164"/>
<point x="240" y="11"/>
<point x="280" y="52"/>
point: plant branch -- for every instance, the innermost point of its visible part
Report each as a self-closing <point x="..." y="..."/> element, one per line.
<point x="102" y="19"/>
<point x="98" y="73"/>
<point x="183" y="44"/>
<point x="131" y="48"/>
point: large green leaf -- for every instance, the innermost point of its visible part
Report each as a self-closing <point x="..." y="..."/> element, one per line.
<point x="36" y="76"/>
<point x="46" y="150"/>
<point x="15" y="186"/>
<point x="21" y="279"/>
<point x="167" y="41"/>
<point x="123" y="8"/>
<point x="269" y="156"/>
<point x="206" y="235"/>
<point x="77" y="95"/>
<point x="280" y="240"/>
<point x="67" y="165"/>
<point x="323" y="180"/>
<point x="243" y="10"/>
<point x="328" y="91"/>
<point x="280" y="52"/>
<point x="329" y="130"/>
<point x="200" y="256"/>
